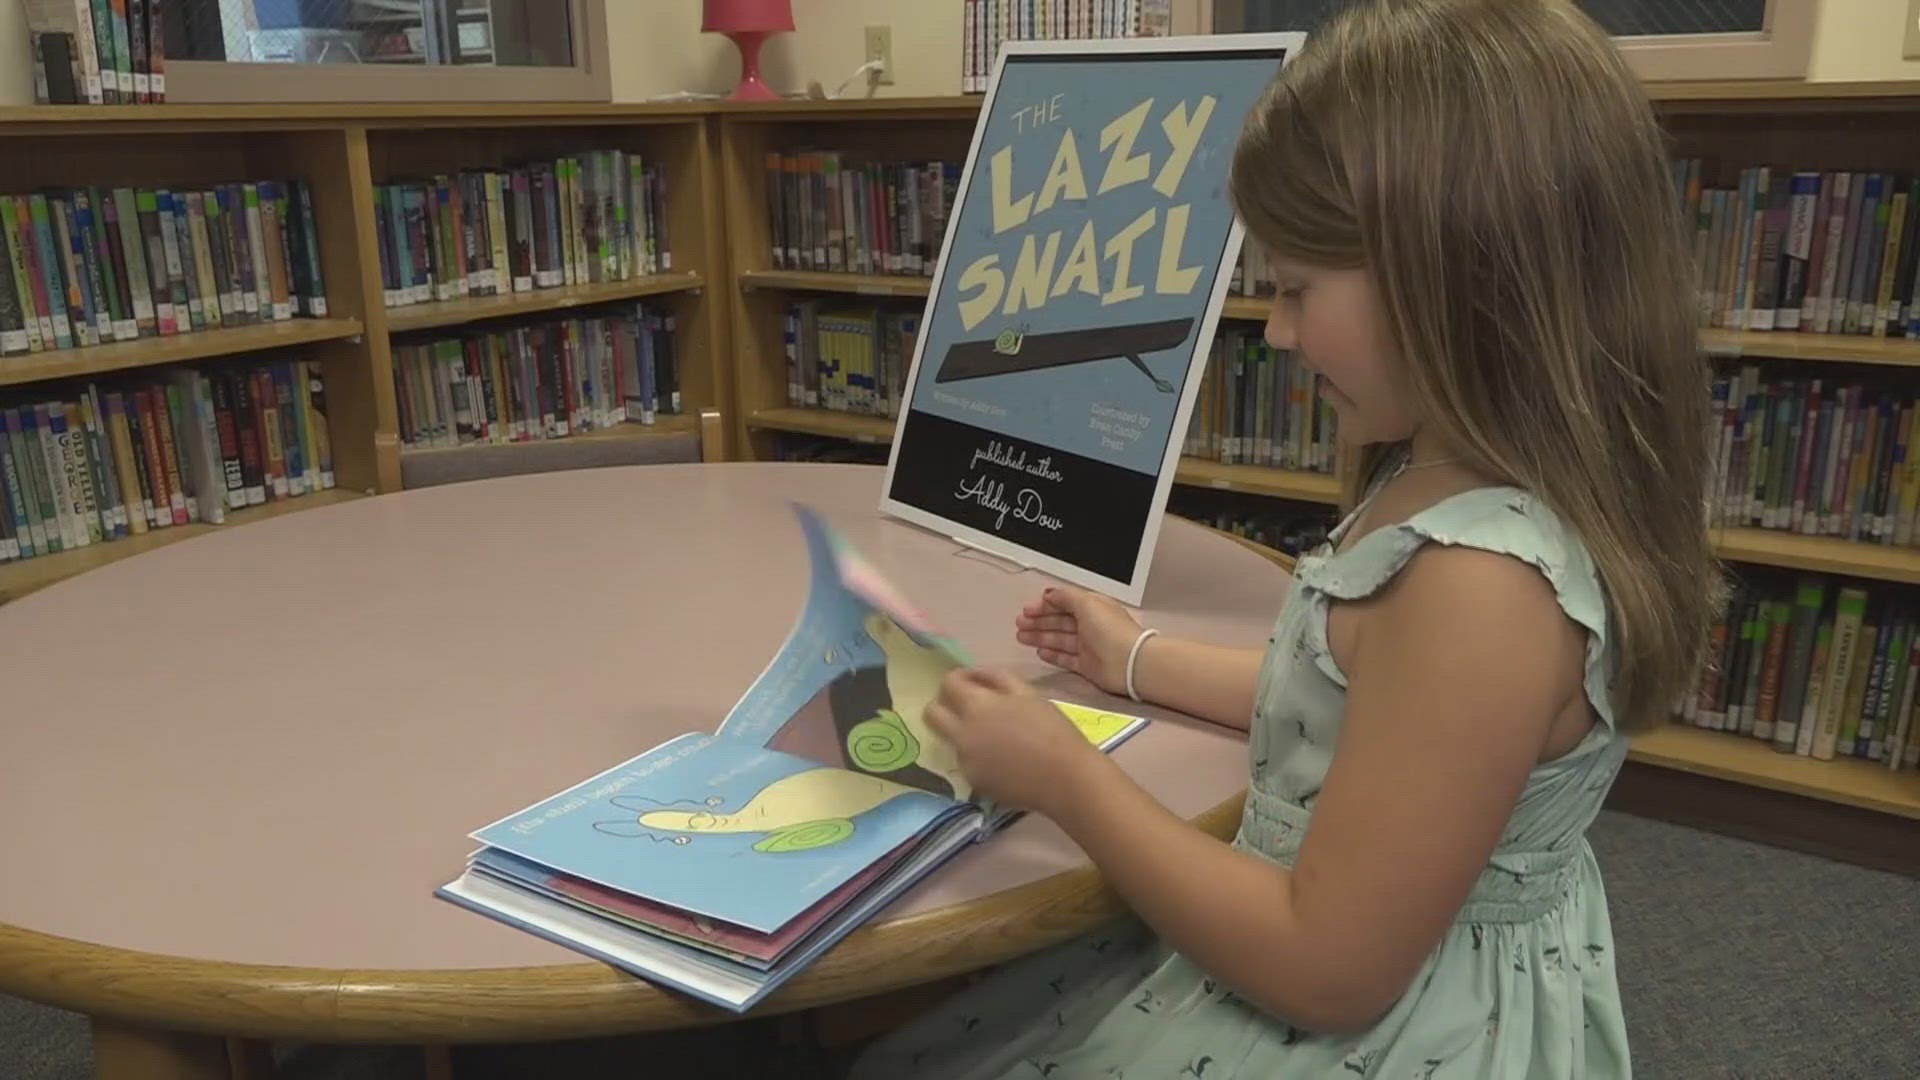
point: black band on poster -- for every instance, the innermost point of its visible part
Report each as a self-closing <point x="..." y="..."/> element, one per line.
<point x="1087" y="513"/>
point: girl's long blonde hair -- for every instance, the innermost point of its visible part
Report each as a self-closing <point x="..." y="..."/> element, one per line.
<point x="1498" y="170"/>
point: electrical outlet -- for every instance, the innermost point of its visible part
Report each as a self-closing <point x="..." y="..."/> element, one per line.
<point x="1911" y="50"/>
<point x="880" y="47"/>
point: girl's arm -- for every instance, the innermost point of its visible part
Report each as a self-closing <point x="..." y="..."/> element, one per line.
<point x="1459" y="671"/>
<point x="1208" y="681"/>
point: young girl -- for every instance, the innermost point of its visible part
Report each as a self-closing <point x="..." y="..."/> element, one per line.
<point x="1479" y="252"/>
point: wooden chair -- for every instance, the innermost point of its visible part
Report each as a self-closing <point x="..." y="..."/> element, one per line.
<point x="704" y="441"/>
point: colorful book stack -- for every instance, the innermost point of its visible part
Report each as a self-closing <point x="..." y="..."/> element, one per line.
<point x="1819" y="457"/>
<point x="830" y="211"/>
<point x="1823" y="668"/>
<point x="1260" y="407"/>
<point x="848" y="358"/>
<point x="584" y="219"/>
<point x="85" y="266"/>
<point x="1829" y="252"/>
<point x="985" y="24"/>
<point x="96" y="52"/>
<point x="149" y="452"/>
<point x="543" y="379"/>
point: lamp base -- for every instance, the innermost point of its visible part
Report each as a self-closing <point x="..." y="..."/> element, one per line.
<point x="752" y="87"/>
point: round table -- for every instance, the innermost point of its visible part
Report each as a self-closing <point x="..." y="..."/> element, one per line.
<point x="235" y="768"/>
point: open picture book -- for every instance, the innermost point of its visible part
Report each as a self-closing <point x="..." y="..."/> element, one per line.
<point x="722" y="864"/>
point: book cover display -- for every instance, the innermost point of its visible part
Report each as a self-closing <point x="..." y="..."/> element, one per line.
<point x="722" y="864"/>
<point x="1075" y="298"/>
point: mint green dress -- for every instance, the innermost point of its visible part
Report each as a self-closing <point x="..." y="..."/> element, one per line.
<point x="1522" y="985"/>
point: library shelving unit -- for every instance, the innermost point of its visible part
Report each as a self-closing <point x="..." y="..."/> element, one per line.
<point x="1847" y="807"/>
<point x="341" y="153"/>
<point x="879" y="130"/>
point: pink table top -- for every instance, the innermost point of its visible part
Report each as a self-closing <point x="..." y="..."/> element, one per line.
<point x="268" y="745"/>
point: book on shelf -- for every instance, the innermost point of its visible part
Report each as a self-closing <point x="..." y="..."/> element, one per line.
<point x="1825" y="252"/>
<point x="724" y="864"/>
<point x="1294" y="529"/>
<point x="848" y="357"/>
<point x="91" y="265"/>
<point x="126" y="456"/>
<point x="986" y="24"/>
<point x="545" y="378"/>
<point x="1818" y="667"/>
<point x="1259" y="406"/>
<point x="582" y="219"/>
<point x="836" y="211"/>
<point x="1816" y="456"/>
<point x="91" y="52"/>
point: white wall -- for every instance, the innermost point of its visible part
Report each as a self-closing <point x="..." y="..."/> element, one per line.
<point x="657" y="46"/>
<point x="1861" y="40"/>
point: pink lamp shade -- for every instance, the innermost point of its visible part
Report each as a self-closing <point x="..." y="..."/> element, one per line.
<point x="748" y="22"/>
<point x="734" y="16"/>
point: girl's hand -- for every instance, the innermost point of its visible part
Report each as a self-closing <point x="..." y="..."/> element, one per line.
<point x="1013" y="745"/>
<point x="1082" y="632"/>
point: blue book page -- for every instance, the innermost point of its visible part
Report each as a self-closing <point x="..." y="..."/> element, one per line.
<point x="850" y="685"/>
<point x="721" y="828"/>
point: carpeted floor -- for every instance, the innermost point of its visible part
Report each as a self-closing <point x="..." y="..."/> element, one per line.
<point x="1737" y="960"/>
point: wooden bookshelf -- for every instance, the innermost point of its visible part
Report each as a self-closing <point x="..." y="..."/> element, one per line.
<point x="1794" y="345"/>
<point x="173" y="349"/>
<point x="1868" y="785"/>
<point x="1828" y="555"/>
<point x="19" y="578"/>
<point x="342" y="153"/>
<point x="664" y="426"/>
<point x="1195" y="472"/>
<point x="858" y="284"/>
<point x="444" y="313"/>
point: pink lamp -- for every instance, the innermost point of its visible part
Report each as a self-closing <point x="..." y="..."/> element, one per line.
<point x="748" y="23"/>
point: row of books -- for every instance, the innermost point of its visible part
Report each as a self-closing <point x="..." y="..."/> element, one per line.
<point x="1259" y="406"/>
<point x="1819" y="667"/>
<point x="833" y="212"/>
<point x="1819" y="457"/>
<point x="582" y="219"/>
<point x="985" y="24"/>
<point x="848" y="357"/>
<point x="544" y="379"/>
<point x="1818" y="252"/>
<point x="92" y="52"/>
<point x="1295" y="529"/>
<point x="84" y="266"/>
<point x="122" y="458"/>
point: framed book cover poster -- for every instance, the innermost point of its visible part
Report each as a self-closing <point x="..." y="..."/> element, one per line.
<point x="1074" y="304"/>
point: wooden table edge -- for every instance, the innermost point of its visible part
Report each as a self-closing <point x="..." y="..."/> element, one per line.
<point x="583" y="1000"/>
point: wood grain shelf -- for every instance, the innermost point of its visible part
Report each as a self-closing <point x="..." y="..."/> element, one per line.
<point x="1868" y="785"/>
<point x="172" y="349"/>
<point x="1794" y="345"/>
<point x="830" y="281"/>
<point x="1260" y="480"/>
<point x="1822" y="553"/>
<point x="474" y="308"/>
<point x="834" y="425"/>
<point x="1195" y="472"/>
<point x="662" y="427"/>
<point x="27" y="575"/>
<point x="1246" y="308"/>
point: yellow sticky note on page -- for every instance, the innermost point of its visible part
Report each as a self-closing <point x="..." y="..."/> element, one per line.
<point x="1102" y="728"/>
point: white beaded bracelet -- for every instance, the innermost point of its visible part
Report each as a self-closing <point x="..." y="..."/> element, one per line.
<point x="1134" y="655"/>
